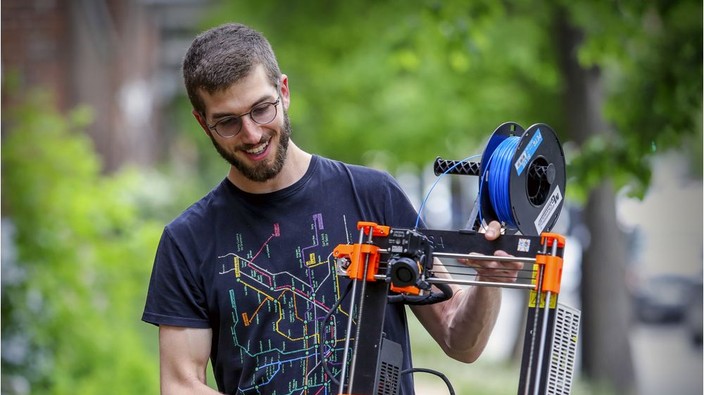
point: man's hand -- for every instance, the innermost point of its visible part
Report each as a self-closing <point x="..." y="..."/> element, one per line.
<point x="493" y="271"/>
<point x="462" y="324"/>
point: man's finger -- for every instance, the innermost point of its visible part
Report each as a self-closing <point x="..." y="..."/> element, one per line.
<point x="493" y="230"/>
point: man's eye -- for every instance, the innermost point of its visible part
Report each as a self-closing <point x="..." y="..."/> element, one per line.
<point x="261" y="110"/>
<point x="229" y="122"/>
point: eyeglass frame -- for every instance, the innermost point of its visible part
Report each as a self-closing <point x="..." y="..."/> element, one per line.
<point x="275" y="103"/>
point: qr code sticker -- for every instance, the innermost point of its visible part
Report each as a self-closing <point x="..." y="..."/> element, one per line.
<point x="523" y="245"/>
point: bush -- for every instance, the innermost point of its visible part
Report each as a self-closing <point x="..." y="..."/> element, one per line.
<point x="73" y="285"/>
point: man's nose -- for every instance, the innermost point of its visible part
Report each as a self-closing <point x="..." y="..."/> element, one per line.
<point x="251" y="131"/>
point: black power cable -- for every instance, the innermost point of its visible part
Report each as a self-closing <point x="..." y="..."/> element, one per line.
<point x="435" y="372"/>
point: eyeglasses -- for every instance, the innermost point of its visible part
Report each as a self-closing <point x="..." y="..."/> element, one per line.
<point x="260" y="114"/>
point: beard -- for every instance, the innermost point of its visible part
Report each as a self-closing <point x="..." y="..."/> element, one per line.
<point x="265" y="170"/>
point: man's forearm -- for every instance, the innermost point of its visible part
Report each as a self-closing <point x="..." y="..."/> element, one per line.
<point x="472" y="315"/>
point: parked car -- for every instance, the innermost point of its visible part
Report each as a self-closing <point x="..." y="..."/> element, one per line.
<point x="662" y="298"/>
<point x="694" y="310"/>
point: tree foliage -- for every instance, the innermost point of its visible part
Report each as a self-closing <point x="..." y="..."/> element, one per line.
<point x="651" y="57"/>
<point x="73" y="288"/>
<point x="386" y="83"/>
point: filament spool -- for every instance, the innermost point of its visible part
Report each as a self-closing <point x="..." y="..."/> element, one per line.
<point x="535" y="180"/>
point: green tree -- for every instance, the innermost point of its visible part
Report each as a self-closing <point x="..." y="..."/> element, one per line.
<point x="73" y="288"/>
<point x="648" y="59"/>
<point x="633" y="85"/>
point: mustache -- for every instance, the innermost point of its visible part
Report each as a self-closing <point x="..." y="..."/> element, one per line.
<point x="264" y="139"/>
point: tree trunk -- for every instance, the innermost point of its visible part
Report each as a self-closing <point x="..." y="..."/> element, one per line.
<point x="606" y="351"/>
<point x="605" y="304"/>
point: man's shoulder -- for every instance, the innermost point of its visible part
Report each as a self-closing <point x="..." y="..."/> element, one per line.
<point x="354" y="170"/>
<point x="202" y="211"/>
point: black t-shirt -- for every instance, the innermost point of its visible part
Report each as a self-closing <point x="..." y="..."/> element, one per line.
<point x="257" y="269"/>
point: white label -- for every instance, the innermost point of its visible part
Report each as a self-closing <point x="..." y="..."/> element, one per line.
<point x="546" y="213"/>
<point x="528" y="152"/>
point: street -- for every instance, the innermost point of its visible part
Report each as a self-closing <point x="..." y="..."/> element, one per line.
<point x="666" y="361"/>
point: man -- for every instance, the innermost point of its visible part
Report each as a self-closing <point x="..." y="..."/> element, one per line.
<point x="244" y="276"/>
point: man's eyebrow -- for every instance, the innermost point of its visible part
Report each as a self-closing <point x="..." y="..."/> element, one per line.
<point x="263" y="99"/>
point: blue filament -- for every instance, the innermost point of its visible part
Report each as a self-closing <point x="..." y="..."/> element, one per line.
<point x="499" y="171"/>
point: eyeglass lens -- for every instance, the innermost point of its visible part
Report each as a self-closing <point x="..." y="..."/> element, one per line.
<point x="260" y="114"/>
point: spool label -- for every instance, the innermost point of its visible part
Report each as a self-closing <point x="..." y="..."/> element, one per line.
<point x="528" y="152"/>
<point x="548" y="210"/>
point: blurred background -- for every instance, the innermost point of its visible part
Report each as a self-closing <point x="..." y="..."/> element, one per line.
<point x="99" y="151"/>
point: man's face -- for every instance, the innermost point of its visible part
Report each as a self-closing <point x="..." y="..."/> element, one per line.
<point x="258" y="151"/>
<point x="262" y="170"/>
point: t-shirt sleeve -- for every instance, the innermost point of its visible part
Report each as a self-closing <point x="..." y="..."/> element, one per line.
<point x="399" y="209"/>
<point x="174" y="296"/>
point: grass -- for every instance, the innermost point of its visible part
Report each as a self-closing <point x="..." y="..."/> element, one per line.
<point x="483" y="377"/>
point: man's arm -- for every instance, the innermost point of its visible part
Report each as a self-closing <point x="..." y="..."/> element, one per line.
<point x="463" y="324"/>
<point x="183" y="355"/>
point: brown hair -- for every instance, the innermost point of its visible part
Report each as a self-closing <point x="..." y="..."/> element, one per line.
<point x="223" y="55"/>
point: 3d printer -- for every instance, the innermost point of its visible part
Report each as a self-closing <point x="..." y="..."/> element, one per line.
<point x="522" y="185"/>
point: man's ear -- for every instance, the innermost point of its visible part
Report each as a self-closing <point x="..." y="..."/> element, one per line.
<point x="285" y="92"/>
<point x="201" y="121"/>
